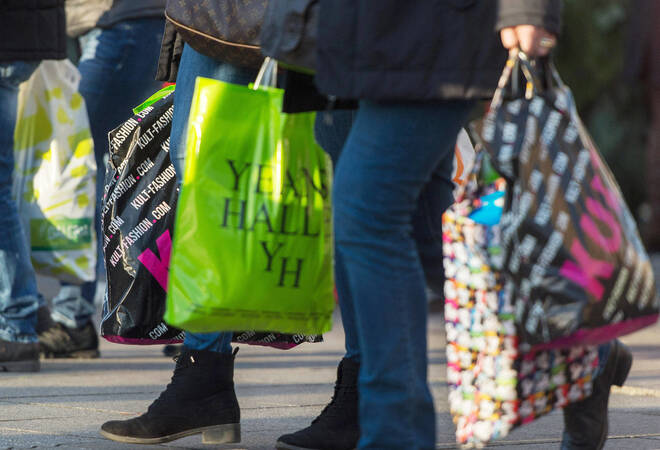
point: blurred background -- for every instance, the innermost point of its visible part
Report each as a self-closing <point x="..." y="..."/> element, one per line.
<point x="609" y="55"/>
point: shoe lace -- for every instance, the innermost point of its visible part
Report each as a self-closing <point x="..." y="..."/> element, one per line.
<point x="171" y="391"/>
<point x="342" y="395"/>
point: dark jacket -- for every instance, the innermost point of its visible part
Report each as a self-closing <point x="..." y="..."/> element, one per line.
<point x="419" y="49"/>
<point x="132" y="9"/>
<point x="32" y="30"/>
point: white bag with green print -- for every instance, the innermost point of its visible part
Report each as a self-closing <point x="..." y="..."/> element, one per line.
<point x="55" y="173"/>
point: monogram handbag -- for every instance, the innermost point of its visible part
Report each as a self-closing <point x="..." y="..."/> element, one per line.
<point x="226" y="30"/>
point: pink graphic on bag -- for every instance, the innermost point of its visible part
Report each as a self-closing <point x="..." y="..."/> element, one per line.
<point x="159" y="268"/>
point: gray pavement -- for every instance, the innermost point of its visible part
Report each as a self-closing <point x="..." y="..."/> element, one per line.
<point x="279" y="391"/>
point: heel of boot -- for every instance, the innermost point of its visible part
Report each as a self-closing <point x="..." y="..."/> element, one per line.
<point x="623" y="364"/>
<point x="222" y="434"/>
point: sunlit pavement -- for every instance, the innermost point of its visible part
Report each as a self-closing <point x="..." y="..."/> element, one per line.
<point x="279" y="391"/>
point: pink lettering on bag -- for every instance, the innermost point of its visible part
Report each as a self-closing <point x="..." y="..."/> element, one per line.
<point x="610" y="244"/>
<point x="587" y="270"/>
<point x="610" y="196"/>
<point x="159" y="268"/>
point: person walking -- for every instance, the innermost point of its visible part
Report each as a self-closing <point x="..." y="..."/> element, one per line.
<point x="29" y="32"/>
<point x="417" y="69"/>
<point x="201" y="397"/>
<point x="120" y="43"/>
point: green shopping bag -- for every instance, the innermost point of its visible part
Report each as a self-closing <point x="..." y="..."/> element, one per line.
<point x="253" y="232"/>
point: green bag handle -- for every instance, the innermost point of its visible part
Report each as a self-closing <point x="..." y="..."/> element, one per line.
<point x="167" y="90"/>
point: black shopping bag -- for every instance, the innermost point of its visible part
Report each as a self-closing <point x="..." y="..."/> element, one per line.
<point x="573" y="260"/>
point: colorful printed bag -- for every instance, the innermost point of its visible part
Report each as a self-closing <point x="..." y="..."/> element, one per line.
<point x="493" y="386"/>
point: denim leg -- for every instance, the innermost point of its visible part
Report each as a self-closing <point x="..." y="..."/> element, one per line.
<point x="331" y="130"/>
<point x="193" y="64"/>
<point x="117" y="67"/>
<point x="18" y="286"/>
<point x="390" y="155"/>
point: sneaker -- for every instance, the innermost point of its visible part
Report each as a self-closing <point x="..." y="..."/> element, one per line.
<point x="19" y="356"/>
<point x="59" y="341"/>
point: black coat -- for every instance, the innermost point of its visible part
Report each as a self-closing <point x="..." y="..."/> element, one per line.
<point x="419" y="49"/>
<point x="32" y="30"/>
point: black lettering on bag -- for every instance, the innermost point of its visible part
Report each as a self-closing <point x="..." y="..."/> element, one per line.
<point x="237" y="174"/>
<point x="240" y="214"/>
<point x="296" y="272"/>
<point x="270" y="255"/>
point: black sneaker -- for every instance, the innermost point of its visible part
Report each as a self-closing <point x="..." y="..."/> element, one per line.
<point x="199" y="399"/>
<point x="337" y="427"/>
<point x="19" y="356"/>
<point x="59" y="341"/>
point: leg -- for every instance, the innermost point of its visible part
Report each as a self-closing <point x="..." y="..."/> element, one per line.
<point x="194" y="64"/>
<point x="200" y="398"/>
<point x="337" y="426"/>
<point x="388" y="159"/>
<point x="18" y="286"/>
<point x="332" y="129"/>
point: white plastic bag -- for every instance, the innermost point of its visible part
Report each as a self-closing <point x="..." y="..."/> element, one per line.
<point x="464" y="156"/>
<point x="55" y="173"/>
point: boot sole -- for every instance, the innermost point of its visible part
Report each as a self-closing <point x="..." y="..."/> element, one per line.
<point x="80" y="354"/>
<point x="31" y="365"/>
<point x="279" y="445"/>
<point x="216" y="434"/>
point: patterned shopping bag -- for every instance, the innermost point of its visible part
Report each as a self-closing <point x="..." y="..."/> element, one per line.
<point x="494" y="387"/>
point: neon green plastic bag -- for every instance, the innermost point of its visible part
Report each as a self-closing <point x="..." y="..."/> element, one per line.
<point x="253" y="235"/>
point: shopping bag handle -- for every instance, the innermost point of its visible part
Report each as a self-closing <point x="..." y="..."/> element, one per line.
<point x="268" y="72"/>
<point x="518" y="61"/>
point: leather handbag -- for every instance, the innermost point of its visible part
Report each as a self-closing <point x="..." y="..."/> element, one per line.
<point x="226" y="30"/>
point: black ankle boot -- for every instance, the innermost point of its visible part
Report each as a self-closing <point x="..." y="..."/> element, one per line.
<point x="199" y="399"/>
<point x="337" y="427"/>
<point x="585" y="422"/>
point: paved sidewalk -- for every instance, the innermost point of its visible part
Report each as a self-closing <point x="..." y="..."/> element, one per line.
<point x="279" y="391"/>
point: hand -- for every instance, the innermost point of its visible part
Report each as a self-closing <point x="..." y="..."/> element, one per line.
<point x="533" y="41"/>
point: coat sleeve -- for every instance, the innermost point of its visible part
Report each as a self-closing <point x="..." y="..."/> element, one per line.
<point x="541" y="13"/>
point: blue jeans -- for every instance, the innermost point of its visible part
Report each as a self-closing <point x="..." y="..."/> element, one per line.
<point x="117" y="65"/>
<point x="193" y="65"/>
<point x="331" y="130"/>
<point x="393" y="152"/>
<point x="18" y="286"/>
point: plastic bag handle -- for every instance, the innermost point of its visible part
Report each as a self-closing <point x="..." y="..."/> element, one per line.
<point x="517" y="60"/>
<point x="267" y="71"/>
